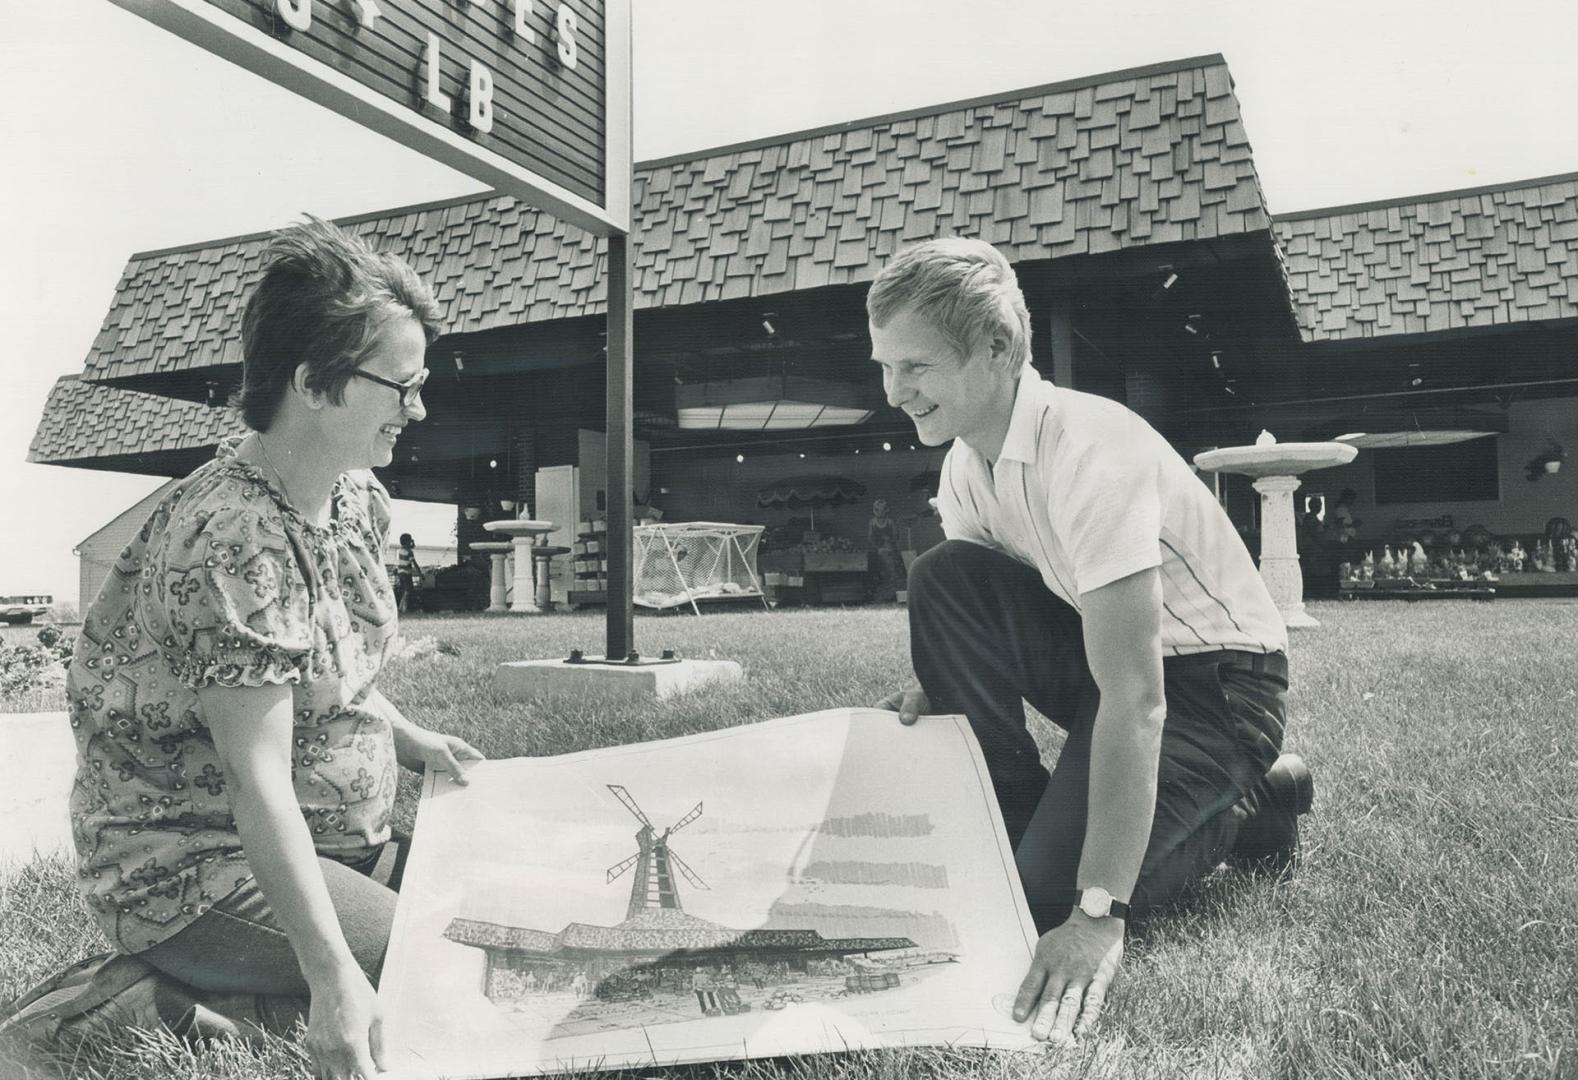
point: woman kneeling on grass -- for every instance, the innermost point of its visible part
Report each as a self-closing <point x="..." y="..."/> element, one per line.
<point x="236" y="764"/>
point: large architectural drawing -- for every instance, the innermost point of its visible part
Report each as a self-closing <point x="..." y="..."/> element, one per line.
<point x="846" y="884"/>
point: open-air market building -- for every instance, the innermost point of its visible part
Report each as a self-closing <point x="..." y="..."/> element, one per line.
<point x="1438" y="332"/>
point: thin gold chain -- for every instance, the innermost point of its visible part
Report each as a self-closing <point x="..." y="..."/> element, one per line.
<point x="283" y="489"/>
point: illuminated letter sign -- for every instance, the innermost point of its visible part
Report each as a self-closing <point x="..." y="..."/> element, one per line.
<point x="533" y="99"/>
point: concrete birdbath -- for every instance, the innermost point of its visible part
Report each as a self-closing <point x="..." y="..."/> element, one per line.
<point x="521" y="532"/>
<point x="1275" y="468"/>
<point x="498" y="551"/>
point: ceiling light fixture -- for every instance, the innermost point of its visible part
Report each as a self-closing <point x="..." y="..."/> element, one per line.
<point x="1548" y="460"/>
<point x="770" y="403"/>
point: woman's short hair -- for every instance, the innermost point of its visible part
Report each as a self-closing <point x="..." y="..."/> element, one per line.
<point x="406" y="541"/>
<point x="323" y="298"/>
<point x="965" y="288"/>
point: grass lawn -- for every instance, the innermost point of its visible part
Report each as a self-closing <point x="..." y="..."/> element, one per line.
<point x="1431" y="931"/>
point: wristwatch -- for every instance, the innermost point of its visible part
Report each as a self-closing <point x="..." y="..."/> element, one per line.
<point x="1097" y="903"/>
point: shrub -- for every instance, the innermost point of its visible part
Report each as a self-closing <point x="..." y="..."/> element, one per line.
<point x="28" y="668"/>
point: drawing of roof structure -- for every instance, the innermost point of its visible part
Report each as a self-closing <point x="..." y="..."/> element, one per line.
<point x="658" y="933"/>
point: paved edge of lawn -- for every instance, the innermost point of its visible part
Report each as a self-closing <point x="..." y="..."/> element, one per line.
<point x="41" y="757"/>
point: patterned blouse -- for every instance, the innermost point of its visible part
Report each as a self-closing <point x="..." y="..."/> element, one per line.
<point x="226" y="585"/>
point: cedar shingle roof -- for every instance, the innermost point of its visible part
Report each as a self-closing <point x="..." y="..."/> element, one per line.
<point x="89" y="420"/>
<point x="1146" y="156"/>
<point x="1484" y="257"/>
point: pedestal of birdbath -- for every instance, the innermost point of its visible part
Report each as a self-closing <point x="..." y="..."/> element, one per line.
<point x="1275" y="468"/>
<point x="544" y="554"/>
<point x="497" y="552"/>
<point x="521" y="533"/>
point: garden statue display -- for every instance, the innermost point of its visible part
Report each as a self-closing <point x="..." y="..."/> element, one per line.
<point x="1418" y="561"/>
<point x="1516" y="557"/>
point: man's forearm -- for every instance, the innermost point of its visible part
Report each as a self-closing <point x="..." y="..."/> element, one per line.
<point x="1125" y="749"/>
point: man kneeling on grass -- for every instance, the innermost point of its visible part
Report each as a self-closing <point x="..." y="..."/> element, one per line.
<point x="1087" y="571"/>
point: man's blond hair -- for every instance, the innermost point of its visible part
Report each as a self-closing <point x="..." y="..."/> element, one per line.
<point x="965" y="288"/>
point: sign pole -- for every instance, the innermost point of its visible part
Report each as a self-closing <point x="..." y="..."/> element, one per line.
<point x="619" y="185"/>
<point x="621" y="581"/>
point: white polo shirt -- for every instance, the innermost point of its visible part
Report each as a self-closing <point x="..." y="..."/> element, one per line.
<point x="1086" y="492"/>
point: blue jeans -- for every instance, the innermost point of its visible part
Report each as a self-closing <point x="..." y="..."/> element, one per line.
<point x="237" y="945"/>
<point x="986" y="632"/>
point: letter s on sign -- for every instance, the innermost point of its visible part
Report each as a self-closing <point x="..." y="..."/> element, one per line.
<point x="566" y="27"/>
<point x="296" y="13"/>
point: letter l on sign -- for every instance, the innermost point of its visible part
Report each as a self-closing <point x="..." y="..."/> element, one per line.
<point x="435" y="96"/>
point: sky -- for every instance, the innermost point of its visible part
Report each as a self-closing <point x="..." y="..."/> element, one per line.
<point x="119" y="138"/>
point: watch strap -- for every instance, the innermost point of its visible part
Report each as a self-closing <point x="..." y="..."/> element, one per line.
<point x="1119" y="908"/>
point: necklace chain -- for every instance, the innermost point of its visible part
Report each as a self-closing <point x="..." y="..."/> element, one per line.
<point x="283" y="489"/>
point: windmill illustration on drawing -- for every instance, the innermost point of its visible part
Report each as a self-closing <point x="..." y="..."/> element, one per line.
<point x="652" y="885"/>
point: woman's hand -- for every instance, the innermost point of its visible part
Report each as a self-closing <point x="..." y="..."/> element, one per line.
<point x="417" y="748"/>
<point x="345" y="1028"/>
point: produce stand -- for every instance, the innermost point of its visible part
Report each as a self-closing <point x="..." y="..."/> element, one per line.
<point x="691" y="561"/>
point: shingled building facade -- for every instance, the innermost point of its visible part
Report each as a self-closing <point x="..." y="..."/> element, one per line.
<point x="1129" y="203"/>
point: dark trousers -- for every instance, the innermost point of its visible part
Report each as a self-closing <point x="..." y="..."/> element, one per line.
<point x="987" y="634"/>
<point x="238" y="946"/>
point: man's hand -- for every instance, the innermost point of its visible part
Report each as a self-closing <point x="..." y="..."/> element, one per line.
<point x="909" y="704"/>
<point x="418" y="748"/>
<point x="1068" y="979"/>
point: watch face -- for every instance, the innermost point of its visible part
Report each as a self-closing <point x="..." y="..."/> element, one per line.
<point x="1096" y="902"/>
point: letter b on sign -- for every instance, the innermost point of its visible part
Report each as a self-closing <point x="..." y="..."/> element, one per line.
<point x="481" y="98"/>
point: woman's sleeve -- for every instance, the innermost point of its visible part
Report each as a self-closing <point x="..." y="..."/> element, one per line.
<point x="229" y="602"/>
<point x="380" y="511"/>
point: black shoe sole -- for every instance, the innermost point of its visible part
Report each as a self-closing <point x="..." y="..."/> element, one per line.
<point x="1269" y="842"/>
<point x="1295" y="793"/>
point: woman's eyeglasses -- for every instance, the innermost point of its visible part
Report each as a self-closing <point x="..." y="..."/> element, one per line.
<point x="409" y="390"/>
